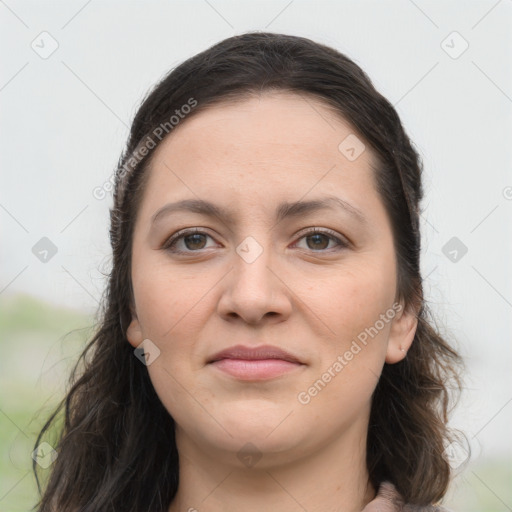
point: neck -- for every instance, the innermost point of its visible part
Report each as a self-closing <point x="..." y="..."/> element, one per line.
<point x="333" y="478"/>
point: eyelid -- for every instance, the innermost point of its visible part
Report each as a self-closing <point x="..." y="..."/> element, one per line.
<point x="324" y="231"/>
<point x="181" y="233"/>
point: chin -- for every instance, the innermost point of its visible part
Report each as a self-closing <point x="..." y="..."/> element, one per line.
<point x="253" y="449"/>
<point x="256" y="420"/>
<point x="250" y="429"/>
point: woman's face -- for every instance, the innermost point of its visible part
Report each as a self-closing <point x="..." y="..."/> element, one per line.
<point x="260" y="277"/>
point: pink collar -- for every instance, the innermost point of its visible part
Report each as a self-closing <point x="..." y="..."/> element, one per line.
<point x="389" y="500"/>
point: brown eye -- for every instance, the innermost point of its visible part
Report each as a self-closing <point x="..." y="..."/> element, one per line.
<point x="318" y="240"/>
<point x="193" y="241"/>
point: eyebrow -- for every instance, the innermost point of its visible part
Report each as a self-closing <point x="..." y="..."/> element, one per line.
<point x="283" y="211"/>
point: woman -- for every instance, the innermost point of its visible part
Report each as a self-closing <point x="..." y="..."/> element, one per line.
<point x="264" y="342"/>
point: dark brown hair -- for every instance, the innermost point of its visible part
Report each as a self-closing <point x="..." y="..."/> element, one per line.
<point x="116" y="448"/>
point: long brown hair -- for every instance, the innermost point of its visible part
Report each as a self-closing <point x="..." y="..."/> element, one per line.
<point x="116" y="448"/>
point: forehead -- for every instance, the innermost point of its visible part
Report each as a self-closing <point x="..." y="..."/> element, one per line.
<point x="274" y="146"/>
<point x="266" y="123"/>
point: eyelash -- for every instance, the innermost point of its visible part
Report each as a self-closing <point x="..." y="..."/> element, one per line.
<point x="171" y="242"/>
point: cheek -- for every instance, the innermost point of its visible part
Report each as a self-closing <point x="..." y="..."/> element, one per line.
<point x="169" y="300"/>
<point x="171" y="307"/>
<point x="359" y="306"/>
<point x="350" y="362"/>
<point x="351" y="301"/>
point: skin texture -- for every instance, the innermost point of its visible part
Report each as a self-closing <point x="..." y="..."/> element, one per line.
<point x="306" y="295"/>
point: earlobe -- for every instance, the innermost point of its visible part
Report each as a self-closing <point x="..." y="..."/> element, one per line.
<point x="134" y="331"/>
<point x="401" y="335"/>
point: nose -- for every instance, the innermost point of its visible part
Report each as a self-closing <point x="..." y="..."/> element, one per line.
<point x="255" y="288"/>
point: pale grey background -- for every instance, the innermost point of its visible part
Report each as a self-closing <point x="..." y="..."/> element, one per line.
<point x="65" y="120"/>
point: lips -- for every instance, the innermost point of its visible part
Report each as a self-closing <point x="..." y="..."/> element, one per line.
<point x="255" y="364"/>
<point x="252" y="354"/>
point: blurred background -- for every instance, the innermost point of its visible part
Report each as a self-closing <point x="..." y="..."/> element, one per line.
<point x="71" y="78"/>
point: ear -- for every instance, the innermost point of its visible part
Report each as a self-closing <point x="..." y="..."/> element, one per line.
<point x="401" y="335"/>
<point x="134" y="330"/>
